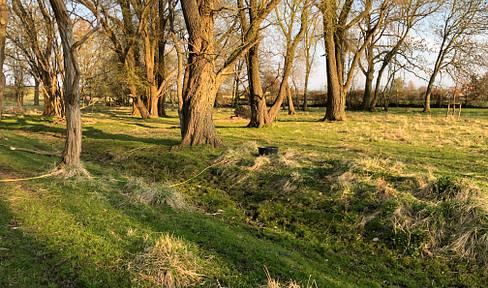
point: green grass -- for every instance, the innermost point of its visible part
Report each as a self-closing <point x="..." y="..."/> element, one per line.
<point x="313" y="212"/>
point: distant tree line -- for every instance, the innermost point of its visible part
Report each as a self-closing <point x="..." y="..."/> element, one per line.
<point x="149" y="52"/>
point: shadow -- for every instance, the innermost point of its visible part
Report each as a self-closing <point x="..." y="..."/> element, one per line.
<point x="25" y="262"/>
<point x="94" y="133"/>
<point x="245" y="249"/>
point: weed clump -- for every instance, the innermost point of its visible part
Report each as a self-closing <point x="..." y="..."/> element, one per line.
<point x="446" y="216"/>
<point x="155" y="194"/>
<point x="169" y="263"/>
<point x="447" y="189"/>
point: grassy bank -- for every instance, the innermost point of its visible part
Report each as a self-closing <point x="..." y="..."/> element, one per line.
<point x="395" y="200"/>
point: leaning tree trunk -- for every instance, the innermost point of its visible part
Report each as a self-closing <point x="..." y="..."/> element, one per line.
<point x="428" y="92"/>
<point x="3" y="36"/>
<point x="72" y="150"/>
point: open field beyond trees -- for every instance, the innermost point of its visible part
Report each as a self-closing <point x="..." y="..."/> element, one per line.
<point x="395" y="199"/>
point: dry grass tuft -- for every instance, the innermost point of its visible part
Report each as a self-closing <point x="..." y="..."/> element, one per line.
<point x="446" y="189"/>
<point x="289" y="159"/>
<point x="259" y="163"/>
<point x="454" y="218"/>
<point x="234" y="156"/>
<point x="169" y="263"/>
<point x="274" y="283"/>
<point x="154" y="194"/>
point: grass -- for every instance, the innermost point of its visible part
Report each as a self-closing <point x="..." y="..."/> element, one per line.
<point x="383" y="199"/>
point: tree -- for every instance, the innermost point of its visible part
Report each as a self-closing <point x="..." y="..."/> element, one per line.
<point x="456" y="26"/>
<point x="286" y="20"/>
<point x="33" y="35"/>
<point x="3" y="35"/>
<point x="405" y="16"/>
<point x="70" y="158"/>
<point x="202" y="79"/>
<point x="338" y="19"/>
<point x="250" y="29"/>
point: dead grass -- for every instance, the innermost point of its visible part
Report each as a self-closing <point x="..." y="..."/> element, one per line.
<point x="169" y="263"/>
<point x="154" y="194"/>
<point x="275" y="283"/>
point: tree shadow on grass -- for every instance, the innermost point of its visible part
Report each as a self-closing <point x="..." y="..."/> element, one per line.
<point x="25" y="262"/>
<point x="94" y="133"/>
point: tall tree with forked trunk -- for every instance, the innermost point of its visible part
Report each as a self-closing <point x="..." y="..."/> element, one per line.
<point x="202" y="78"/>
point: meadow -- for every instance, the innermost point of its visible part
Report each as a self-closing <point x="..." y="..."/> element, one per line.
<point x="395" y="199"/>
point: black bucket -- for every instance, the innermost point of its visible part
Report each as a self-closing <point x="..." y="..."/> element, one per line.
<point x="268" y="150"/>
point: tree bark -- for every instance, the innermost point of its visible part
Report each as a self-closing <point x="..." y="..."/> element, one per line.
<point x="36" y="92"/>
<point x="3" y="35"/>
<point x="291" y="107"/>
<point x="428" y="92"/>
<point x="200" y="91"/>
<point x="368" y="86"/>
<point x="335" y="93"/>
<point x="257" y="99"/>
<point x="308" y="68"/>
<point x="72" y="150"/>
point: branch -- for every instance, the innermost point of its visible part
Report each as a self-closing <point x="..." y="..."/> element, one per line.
<point x="234" y="57"/>
<point x="39" y="152"/>
<point x="80" y="42"/>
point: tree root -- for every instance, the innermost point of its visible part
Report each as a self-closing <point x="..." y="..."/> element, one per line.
<point x="72" y="171"/>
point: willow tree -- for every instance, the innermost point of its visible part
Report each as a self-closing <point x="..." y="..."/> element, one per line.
<point x="3" y="36"/>
<point x="202" y="78"/>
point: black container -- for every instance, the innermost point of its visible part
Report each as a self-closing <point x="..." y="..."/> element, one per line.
<point x="268" y="150"/>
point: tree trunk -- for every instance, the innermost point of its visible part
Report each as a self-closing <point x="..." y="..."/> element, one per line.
<point x="153" y="100"/>
<point x="200" y="90"/>
<point x="72" y="150"/>
<point x="19" y="95"/>
<point x="3" y="35"/>
<point x="162" y="105"/>
<point x="428" y="93"/>
<point x="36" y="92"/>
<point x="336" y="96"/>
<point x="335" y="93"/>
<point x="257" y="99"/>
<point x="377" y="89"/>
<point x="305" y="88"/>
<point x="368" y="87"/>
<point x="198" y="101"/>
<point x="291" y="107"/>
